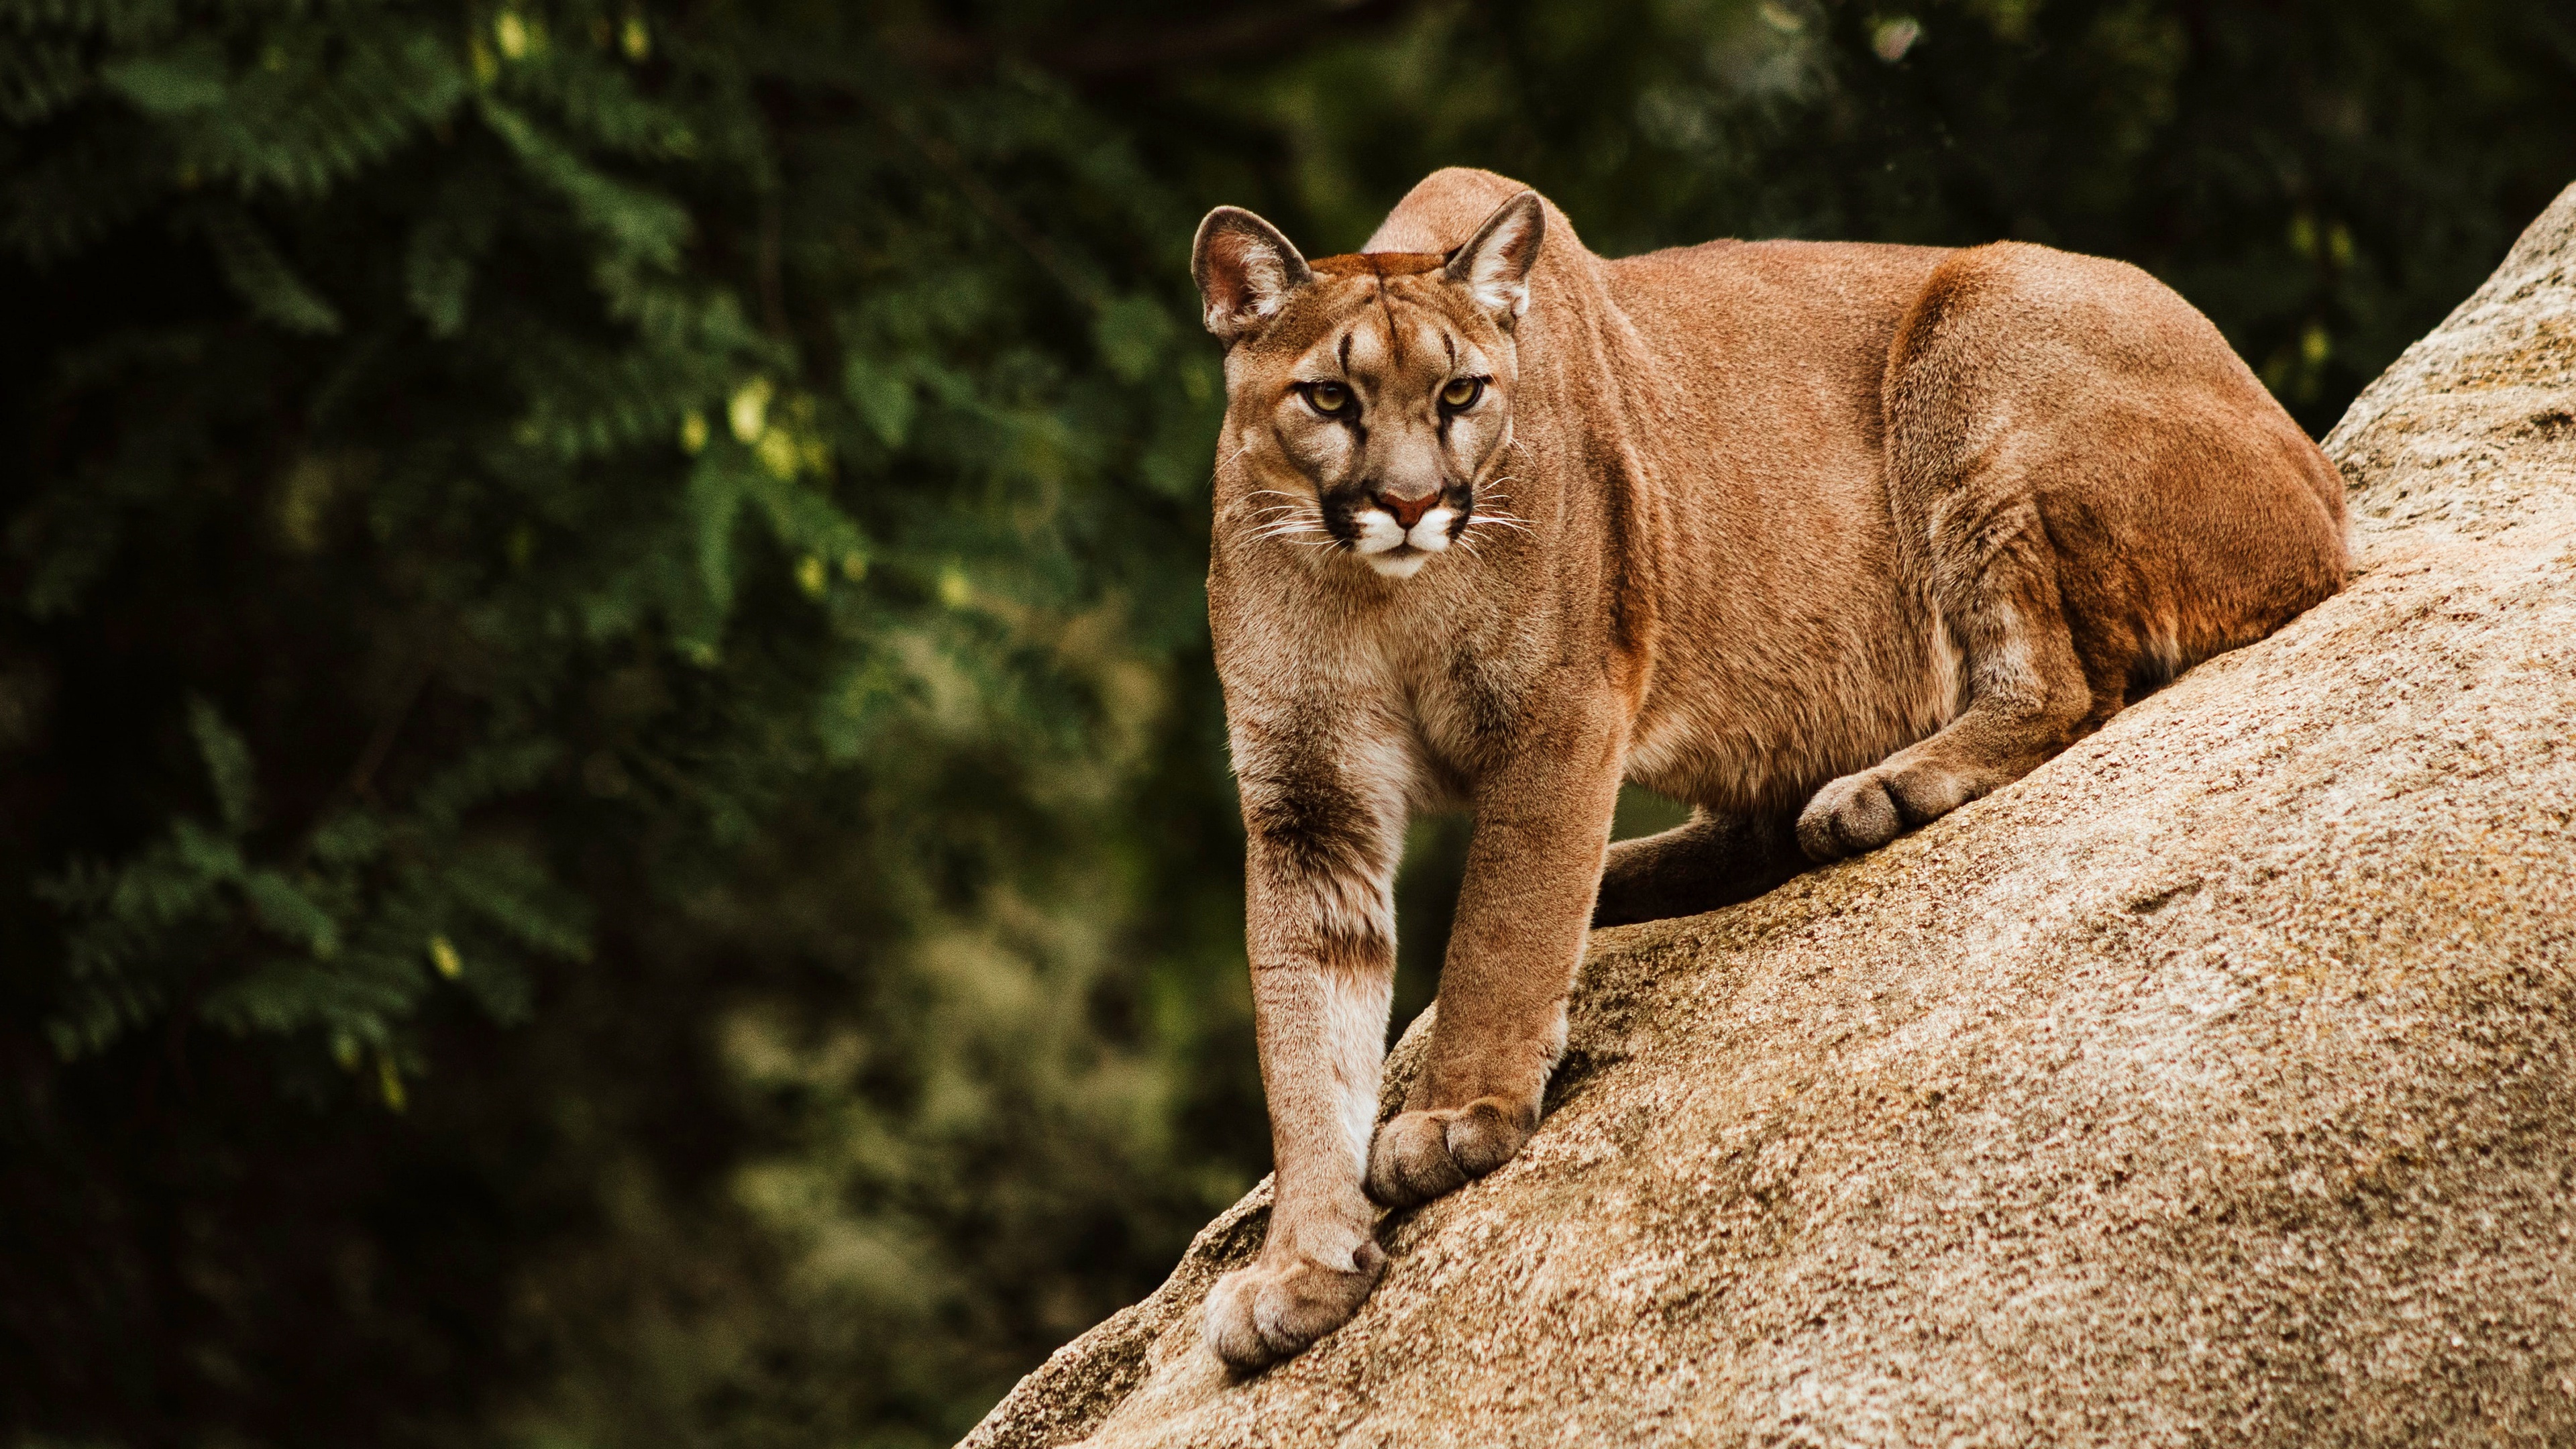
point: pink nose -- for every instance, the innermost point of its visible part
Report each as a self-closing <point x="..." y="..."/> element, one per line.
<point x="1407" y="511"/>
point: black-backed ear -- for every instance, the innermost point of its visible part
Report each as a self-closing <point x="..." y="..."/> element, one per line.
<point x="1494" y="264"/>
<point x="1244" y="269"/>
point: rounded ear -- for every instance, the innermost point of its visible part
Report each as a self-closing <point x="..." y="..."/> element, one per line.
<point x="1244" y="269"/>
<point x="1494" y="264"/>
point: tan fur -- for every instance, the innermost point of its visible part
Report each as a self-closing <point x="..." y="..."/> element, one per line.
<point x="1826" y="540"/>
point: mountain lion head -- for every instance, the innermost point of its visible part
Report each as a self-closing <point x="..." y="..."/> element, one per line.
<point x="1371" y="394"/>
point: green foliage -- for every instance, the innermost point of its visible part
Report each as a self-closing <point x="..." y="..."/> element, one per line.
<point x="523" y="507"/>
<point x="620" y="823"/>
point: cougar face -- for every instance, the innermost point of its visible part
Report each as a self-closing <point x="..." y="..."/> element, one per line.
<point x="1372" y="393"/>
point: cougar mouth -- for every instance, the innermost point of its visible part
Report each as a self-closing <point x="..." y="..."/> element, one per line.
<point x="1398" y="548"/>
<point x="1394" y="540"/>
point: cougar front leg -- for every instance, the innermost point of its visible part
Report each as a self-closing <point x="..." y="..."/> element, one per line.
<point x="1321" y="931"/>
<point x="1542" y="826"/>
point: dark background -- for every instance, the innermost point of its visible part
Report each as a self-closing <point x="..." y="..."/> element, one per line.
<point x="616" y="824"/>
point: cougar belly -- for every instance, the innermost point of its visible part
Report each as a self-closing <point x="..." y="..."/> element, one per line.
<point x="1761" y="746"/>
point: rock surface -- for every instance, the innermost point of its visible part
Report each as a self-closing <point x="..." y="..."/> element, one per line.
<point x="2214" y="1084"/>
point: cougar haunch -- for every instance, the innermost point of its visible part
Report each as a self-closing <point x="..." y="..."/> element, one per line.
<point x="1826" y="540"/>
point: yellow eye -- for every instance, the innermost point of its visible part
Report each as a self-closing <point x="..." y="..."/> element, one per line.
<point x="1461" y="393"/>
<point x="1329" y="398"/>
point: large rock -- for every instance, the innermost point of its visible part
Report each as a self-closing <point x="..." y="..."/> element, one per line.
<point x="2217" y="1083"/>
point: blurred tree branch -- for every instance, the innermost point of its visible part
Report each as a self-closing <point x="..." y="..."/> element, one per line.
<point x="1136" y="50"/>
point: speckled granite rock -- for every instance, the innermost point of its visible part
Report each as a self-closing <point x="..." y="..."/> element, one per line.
<point x="2215" y="1084"/>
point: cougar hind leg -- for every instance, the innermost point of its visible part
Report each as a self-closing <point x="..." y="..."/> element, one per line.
<point x="1715" y="860"/>
<point x="2092" y="493"/>
<point x="2030" y="695"/>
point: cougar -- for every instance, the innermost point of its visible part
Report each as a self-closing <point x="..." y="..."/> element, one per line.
<point x="1823" y="540"/>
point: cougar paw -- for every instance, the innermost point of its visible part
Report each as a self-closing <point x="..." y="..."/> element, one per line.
<point x="1274" y="1308"/>
<point x="1420" y="1155"/>
<point x="1853" y="814"/>
<point x="1865" y="811"/>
